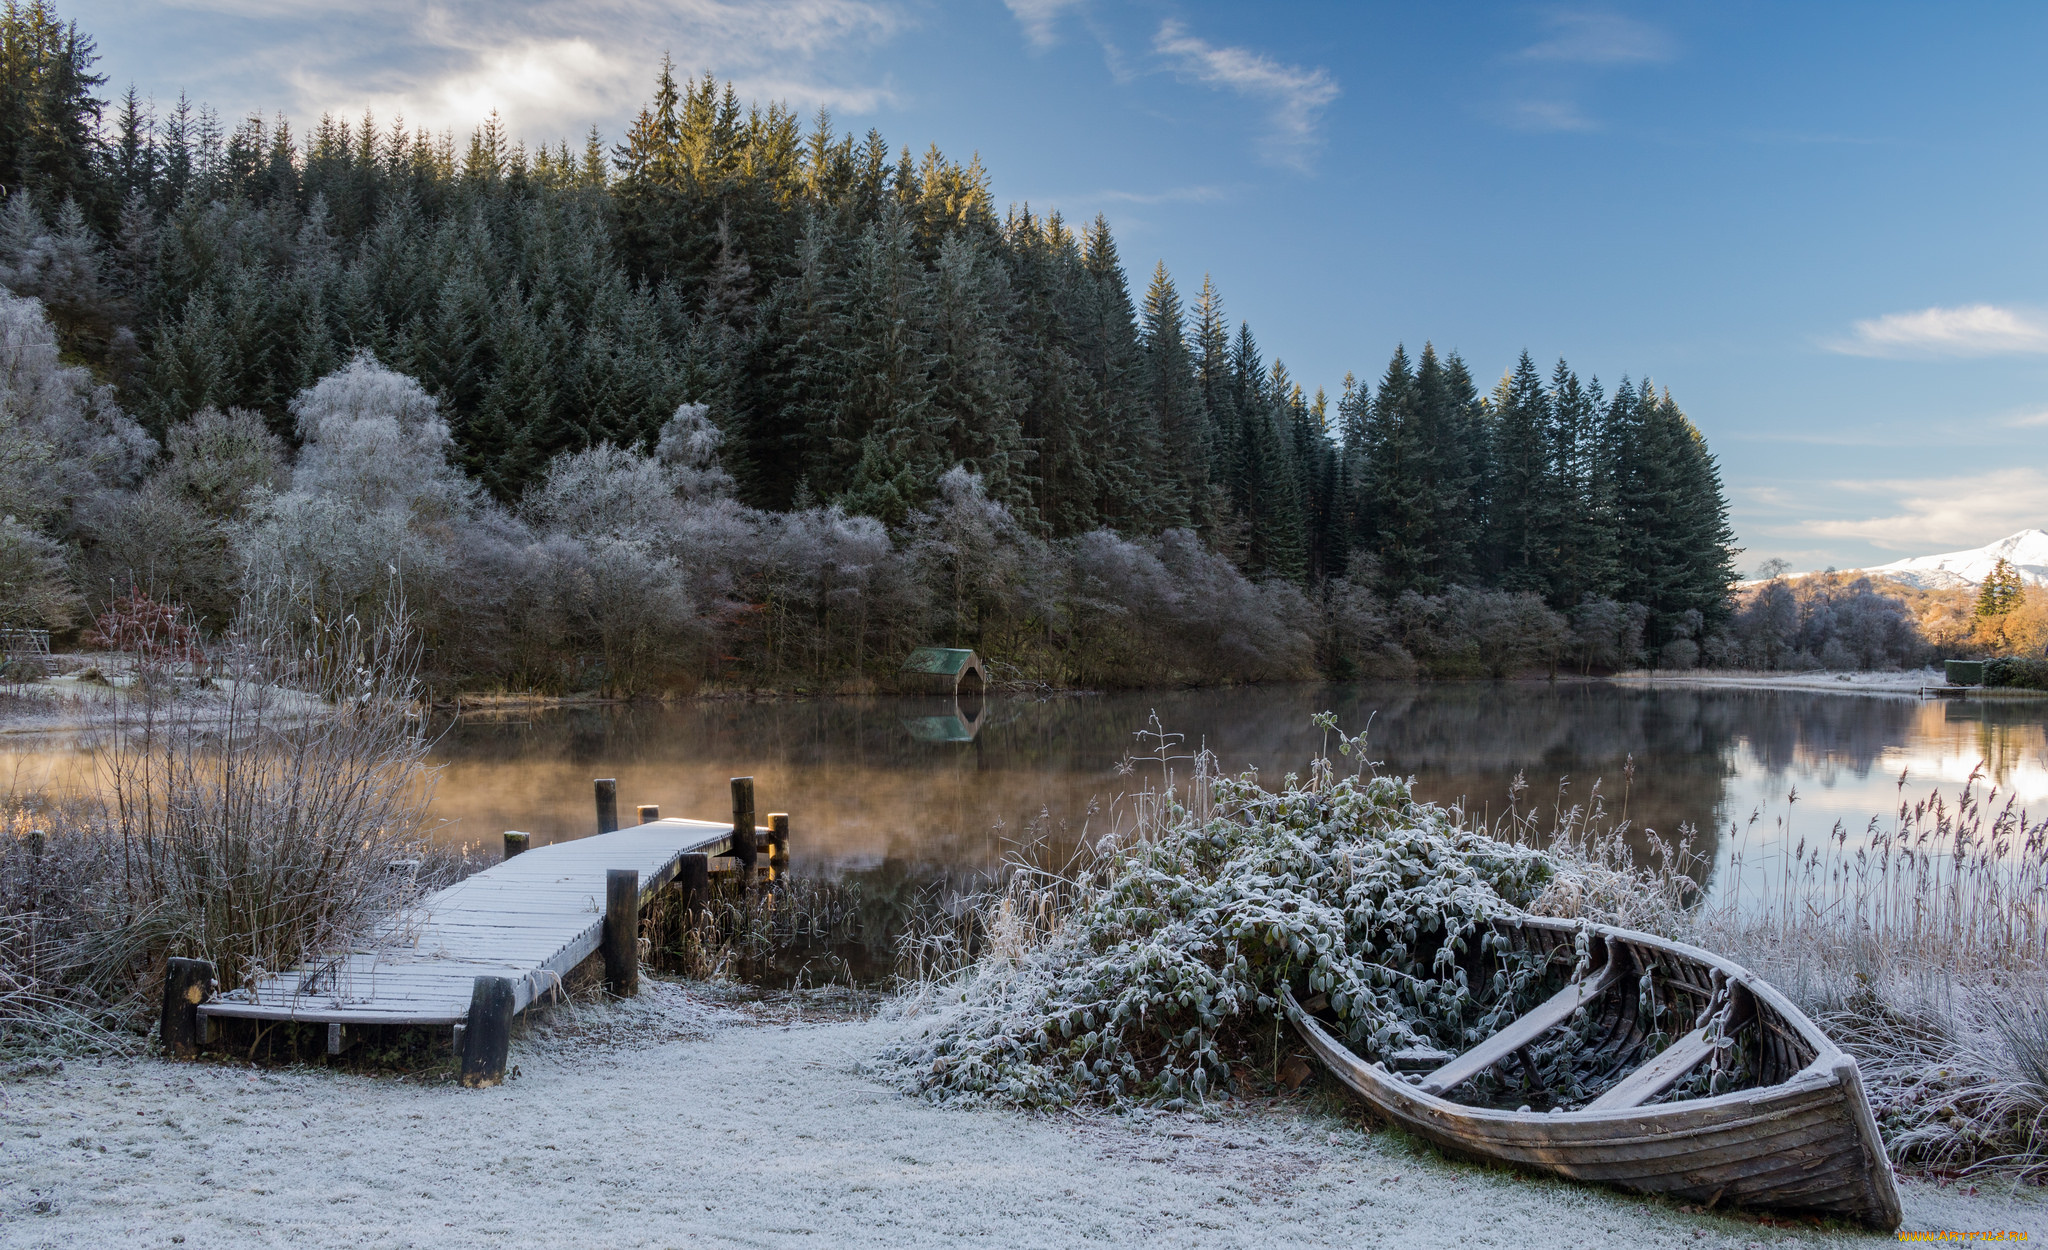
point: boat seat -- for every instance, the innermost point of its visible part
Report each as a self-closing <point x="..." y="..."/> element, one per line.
<point x="1532" y="1024"/>
<point x="1656" y="1076"/>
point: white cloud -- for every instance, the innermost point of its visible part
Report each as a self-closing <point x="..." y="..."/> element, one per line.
<point x="1934" y="514"/>
<point x="1295" y="97"/>
<point x="1971" y="330"/>
<point x="2028" y="419"/>
<point x="1590" y="38"/>
<point x="1040" y="18"/>
<point x="549" y="69"/>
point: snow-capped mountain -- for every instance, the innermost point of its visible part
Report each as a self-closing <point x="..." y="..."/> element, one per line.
<point x="2027" y="550"/>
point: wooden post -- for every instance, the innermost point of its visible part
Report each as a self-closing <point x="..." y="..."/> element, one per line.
<point x="693" y="883"/>
<point x="743" y="848"/>
<point x="607" y="804"/>
<point x="621" y="941"/>
<point x="488" y="1037"/>
<point x="778" y="839"/>
<point x="515" y="842"/>
<point x="187" y="983"/>
<point x="649" y="813"/>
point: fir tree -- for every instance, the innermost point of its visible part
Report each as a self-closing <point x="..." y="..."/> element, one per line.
<point x="2002" y="591"/>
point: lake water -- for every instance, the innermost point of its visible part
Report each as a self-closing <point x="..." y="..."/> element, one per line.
<point x="904" y="788"/>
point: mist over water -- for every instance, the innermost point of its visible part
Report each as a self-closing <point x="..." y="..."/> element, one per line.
<point x="875" y="785"/>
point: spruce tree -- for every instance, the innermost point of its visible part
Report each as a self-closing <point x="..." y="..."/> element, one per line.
<point x="1173" y="404"/>
<point x="1525" y="497"/>
<point x="2002" y="591"/>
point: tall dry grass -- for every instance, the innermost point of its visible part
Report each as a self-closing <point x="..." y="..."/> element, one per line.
<point x="254" y="808"/>
<point x="1920" y="945"/>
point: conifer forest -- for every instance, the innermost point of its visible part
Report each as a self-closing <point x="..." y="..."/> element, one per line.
<point x="737" y="398"/>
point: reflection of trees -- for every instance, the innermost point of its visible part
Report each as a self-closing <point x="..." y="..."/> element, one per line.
<point x="864" y="792"/>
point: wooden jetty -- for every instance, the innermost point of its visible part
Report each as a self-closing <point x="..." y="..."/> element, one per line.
<point x="476" y="954"/>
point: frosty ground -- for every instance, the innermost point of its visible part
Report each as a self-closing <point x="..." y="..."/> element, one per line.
<point x="680" y="1120"/>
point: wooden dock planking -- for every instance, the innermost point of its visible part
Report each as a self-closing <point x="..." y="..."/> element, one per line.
<point x="531" y="919"/>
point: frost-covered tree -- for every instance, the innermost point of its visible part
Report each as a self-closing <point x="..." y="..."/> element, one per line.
<point x="375" y="439"/>
<point x="62" y="437"/>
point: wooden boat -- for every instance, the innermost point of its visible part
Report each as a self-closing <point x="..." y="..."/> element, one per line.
<point x="1754" y="1106"/>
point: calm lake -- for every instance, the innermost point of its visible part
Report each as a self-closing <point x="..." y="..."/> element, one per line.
<point x="904" y="788"/>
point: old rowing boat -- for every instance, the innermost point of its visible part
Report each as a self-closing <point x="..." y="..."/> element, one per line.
<point x="1752" y="1106"/>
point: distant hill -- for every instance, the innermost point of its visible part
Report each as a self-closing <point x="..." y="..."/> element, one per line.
<point x="2027" y="550"/>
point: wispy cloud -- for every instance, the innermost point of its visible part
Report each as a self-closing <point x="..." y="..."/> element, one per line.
<point x="1041" y="18"/>
<point x="1970" y="330"/>
<point x="1548" y="115"/>
<point x="1580" y="37"/>
<point x="1295" y="97"/>
<point x="549" y="69"/>
<point x="2028" y="420"/>
<point x="1172" y="195"/>
<point x="1931" y="514"/>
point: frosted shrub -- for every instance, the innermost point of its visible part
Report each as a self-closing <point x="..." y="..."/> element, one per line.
<point x="1169" y="967"/>
<point x="375" y="439"/>
<point x="605" y="492"/>
<point x="688" y="445"/>
<point x="62" y="437"/>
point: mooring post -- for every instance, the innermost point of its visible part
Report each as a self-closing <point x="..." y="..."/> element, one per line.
<point x="778" y="839"/>
<point x="607" y="804"/>
<point x="649" y="813"/>
<point x="743" y="845"/>
<point x="187" y="983"/>
<point x="488" y="1038"/>
<point x="621" y="943"/>
<point x="515" y="842"/>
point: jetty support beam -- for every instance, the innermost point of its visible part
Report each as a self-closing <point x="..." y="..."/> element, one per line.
<point x="607" y="804"/>
<point x="744" y="848"/>
<point x="187" y="983"/>
<point x="488" y="1038"/>
<point x="621" y="940"/>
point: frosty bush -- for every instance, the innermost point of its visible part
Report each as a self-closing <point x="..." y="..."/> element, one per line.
<point x="1169" y="968"/>
<point x="376" y="439"/>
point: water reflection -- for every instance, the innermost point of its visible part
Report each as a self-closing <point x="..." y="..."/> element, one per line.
<point x="934" y="788"/>
<point x="950" y="791"/>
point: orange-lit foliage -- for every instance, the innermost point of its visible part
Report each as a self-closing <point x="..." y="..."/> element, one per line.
<point x="140" y="625"/>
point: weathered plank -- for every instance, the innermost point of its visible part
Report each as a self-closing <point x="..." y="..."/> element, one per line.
<point x="1532" y="1024"/>
<point x="1658" y="1075"/>
<point x="528" y="920"/>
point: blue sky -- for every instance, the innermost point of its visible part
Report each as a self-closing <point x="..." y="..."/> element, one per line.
<point x="1821" y="226"/>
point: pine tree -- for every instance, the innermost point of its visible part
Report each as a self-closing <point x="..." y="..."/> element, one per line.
<point x="1173" y="404"/>
<point x="1584" y="540"/>
<point x="1525" y="498"/>
<point x="1127" y="463"/>
<point x="2002" y="591"/>
<point x="49" y="116"/>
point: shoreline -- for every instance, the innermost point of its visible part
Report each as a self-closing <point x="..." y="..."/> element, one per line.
<point x="624" y="1121"/>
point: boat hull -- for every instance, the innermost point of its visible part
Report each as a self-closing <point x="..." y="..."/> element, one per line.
<point x="1806" y="1143"/>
